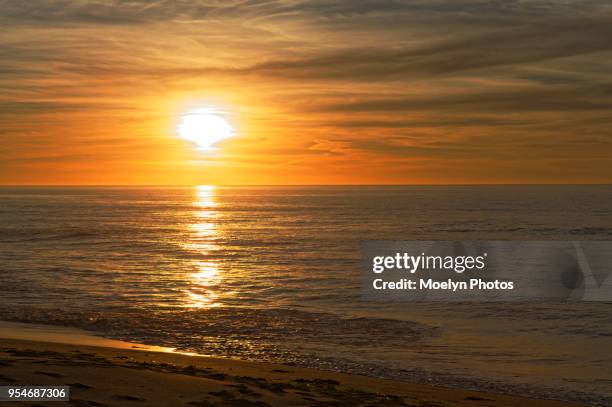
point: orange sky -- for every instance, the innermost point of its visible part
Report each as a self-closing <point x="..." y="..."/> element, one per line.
<point x="319" y="92"/>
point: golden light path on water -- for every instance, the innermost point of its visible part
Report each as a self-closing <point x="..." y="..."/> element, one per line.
<point x="207" y="277"/>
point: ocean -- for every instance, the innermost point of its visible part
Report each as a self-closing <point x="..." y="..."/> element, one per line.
<point x="272" y="274"/>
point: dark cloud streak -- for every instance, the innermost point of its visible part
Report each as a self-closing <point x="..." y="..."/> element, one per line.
<point x="520" y="45"/>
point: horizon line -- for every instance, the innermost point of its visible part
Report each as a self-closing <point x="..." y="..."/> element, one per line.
<point x="295" y="185"/>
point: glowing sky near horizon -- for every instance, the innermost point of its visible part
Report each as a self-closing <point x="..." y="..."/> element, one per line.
<point x="314" y="92"/>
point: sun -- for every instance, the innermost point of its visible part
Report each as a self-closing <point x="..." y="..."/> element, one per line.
<point x="205" y="128"/>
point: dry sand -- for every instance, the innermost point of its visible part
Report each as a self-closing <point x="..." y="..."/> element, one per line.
<point x="102" y="376"/>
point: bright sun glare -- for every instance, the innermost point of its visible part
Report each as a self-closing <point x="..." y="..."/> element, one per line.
<point x="205" y="128"/>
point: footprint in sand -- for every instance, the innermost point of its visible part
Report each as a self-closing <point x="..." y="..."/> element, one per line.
<point x="128" y="398"/>
<point x="79" y="386"/>
<point x="50" y="374"/>
<point x="7" y="379"/>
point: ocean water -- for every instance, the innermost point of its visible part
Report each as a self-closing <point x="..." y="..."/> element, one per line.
<point x="272" y="273"/>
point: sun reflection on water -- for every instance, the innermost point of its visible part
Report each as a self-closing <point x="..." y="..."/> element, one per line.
<point x="206" y="279"/>
<point x="205" y="195"/>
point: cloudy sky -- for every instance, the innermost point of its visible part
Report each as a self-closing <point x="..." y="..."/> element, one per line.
<point x="318" y="92"/>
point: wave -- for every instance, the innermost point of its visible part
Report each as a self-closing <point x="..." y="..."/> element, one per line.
<point x="42" y="238"/>
<point x="288" y="336"/>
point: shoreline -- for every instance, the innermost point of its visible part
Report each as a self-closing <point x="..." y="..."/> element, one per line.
<point x="104" y="372"/>
<point x="32" y="332"/>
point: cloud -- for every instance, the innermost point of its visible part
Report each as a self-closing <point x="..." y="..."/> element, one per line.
<point x="99" y="12"/>
<point x="528" y="99"/>
<point x="330" y="146"/>
<point x="517" y="45"/>
<point x="117" y="12"/>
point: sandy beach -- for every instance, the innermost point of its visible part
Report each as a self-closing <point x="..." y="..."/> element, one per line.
<point x="103" y="376"/>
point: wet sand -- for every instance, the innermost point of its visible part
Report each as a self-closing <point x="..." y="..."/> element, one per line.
<point x="104" y="376"/>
